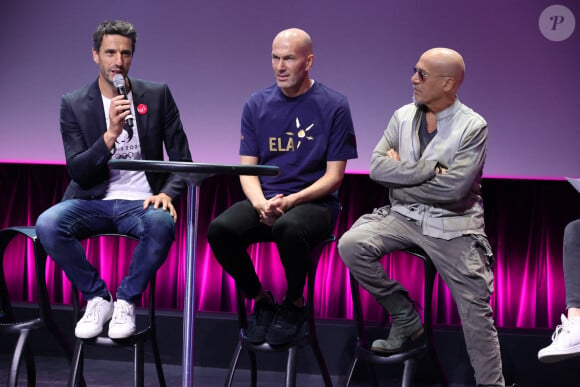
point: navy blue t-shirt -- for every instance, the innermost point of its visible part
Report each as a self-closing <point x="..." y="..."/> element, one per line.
<point x="298" y="134"/>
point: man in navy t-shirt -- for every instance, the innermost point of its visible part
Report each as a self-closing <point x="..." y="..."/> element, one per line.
<point x="306" y="129"/>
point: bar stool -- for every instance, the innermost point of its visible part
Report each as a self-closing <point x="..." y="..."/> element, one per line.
<point x="307" y="339"/>
<point x="410" y="357"/>
<point x="137" y="340"/>
<point x="45" y="319"/>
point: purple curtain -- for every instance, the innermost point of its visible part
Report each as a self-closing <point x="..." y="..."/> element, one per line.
<point x="525" y="220"/>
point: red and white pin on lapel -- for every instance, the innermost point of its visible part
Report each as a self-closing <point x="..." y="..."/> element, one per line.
<point x="142" y="108"/>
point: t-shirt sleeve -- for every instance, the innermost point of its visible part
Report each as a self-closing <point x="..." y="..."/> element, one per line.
<point x="342" y="141"/>
<point x="248" y="141"/>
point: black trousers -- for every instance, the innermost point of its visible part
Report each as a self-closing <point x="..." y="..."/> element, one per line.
<point x="295" y="233"/>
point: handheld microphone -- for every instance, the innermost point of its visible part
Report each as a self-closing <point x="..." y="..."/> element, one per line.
<point x="119" y="83"/>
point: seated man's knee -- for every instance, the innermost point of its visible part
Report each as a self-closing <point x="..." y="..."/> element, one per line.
<point x="346" y="247"/>
<point x="219" y="231"/>
<point x="161" y="222"/>
<point x="287" y="228"/>
<point x="572" y="230"/>
<point x="47" y="225"/>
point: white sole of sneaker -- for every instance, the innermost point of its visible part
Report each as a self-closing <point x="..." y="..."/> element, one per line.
<point x="555" y="356"/>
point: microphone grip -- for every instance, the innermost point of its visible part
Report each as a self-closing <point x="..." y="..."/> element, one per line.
<point x="121" y="91"/>
<point x="129" y="119"/>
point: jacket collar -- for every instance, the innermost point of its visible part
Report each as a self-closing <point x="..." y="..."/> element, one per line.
<point x="449" y="111"/>
<point x="138" y="91"/>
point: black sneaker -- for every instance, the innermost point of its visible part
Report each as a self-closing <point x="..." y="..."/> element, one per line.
<point x="287" y="324"/>
<point x="260" y="320"/>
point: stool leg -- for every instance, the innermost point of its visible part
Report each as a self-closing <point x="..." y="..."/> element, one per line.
<point x="430" y="273"/>
<point x="362" y="344"/>
<point x="233" y="365"/>
<point x="21" y="346"/>
<point x="76" y="372"/>
<point x="351" y="371"/>
<point x="138" y="370"/>
<point x="312" y="337"/>
<point x="158" y="365"/>
<point x="253" y="369"/>
<point x="30" y="366"/>
<point x="40" y="258"/>
<point x="321" y="362"/>
<point x="291" y="367"/>
<point x="370" y="368"/>
<point x="408" y="372"/>
<point x="372" y="375"/>
<point x="153" y="334"/>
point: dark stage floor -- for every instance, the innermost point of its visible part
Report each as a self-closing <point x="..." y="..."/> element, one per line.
<point x="53" y="371"/>
<point x="216" y="336"/>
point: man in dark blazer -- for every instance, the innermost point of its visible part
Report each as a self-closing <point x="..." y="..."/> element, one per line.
<point x="98" y="124"/>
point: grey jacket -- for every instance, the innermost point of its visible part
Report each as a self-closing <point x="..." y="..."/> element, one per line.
<point x="445" y="205"/>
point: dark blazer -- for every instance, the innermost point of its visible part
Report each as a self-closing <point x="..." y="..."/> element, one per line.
<point x="82" y="125"/>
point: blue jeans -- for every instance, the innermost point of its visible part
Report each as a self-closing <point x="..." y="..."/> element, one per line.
<point x="60" y="228"/>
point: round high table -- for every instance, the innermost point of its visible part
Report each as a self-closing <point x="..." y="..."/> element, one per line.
<point x="193" y="174"/>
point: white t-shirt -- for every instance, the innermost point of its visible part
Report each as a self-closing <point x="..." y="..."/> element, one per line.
<point x="126" y="185"/>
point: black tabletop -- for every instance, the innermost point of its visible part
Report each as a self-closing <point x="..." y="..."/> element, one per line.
<point x="195" y="168"/>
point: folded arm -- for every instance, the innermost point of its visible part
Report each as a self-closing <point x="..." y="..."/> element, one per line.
<point x="458" y="180"/>
<point x="390" y="171"/>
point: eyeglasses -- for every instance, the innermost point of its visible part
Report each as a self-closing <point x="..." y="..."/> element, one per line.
<point x="423" y="75"/>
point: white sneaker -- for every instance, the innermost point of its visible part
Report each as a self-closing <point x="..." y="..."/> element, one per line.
<point x="97" y="313"/>
<point x="565" y="342"/>
<point x="122" y="324"/>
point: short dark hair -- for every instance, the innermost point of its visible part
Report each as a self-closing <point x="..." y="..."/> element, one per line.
<point x="114" y="27"/>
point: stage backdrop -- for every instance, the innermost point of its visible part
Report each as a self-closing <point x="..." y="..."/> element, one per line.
<point x="521" y="58"/>
<point x="525" y="220"/>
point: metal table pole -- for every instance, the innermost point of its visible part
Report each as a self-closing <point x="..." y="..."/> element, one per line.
<point x="188" y="303"/>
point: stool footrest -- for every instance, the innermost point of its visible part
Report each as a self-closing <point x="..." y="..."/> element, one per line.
<point x="395" y="358"/>
<point x="15" y="327"/>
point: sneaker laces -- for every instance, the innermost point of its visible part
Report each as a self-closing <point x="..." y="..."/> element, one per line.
<point x="93" y="310"/>
<point x="123" y="313"/>
<point x="563" y="328"/>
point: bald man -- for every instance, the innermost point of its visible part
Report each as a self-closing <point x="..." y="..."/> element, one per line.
<point x="306" y="129"/>
<point x="431" y="158"/>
